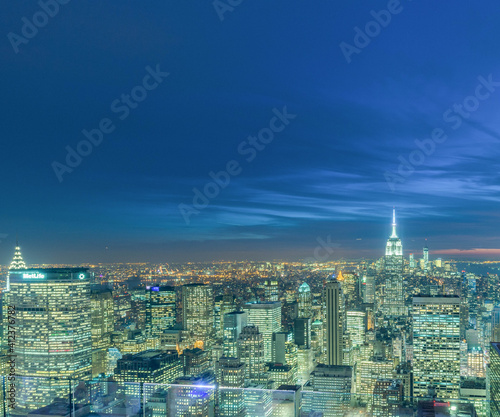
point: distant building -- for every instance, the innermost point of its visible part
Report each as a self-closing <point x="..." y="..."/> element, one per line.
<point x="251" y="352"/>
<point x="233" y="324"/>
<point x="230" y="378"/>
<point x="334" y="323"/>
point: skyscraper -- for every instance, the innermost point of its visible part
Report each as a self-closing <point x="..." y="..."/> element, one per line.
<point x="53" y="331"/>
<point x="494" y="380"/>
<point x="436" y="345"/>
<point x="251" y="352"/>
<point x="305" y="303"/>
<point x="267" y="317"/>
<point x="426" y="257"/>
<point x="102" y="324"/>
<point x="230" y="377"/>
<point x="198" y="314"/>
<point x="233" y="324"/>
<point x="160" y="309"/>
<point x="394" y="264"/>
<point x="334" y="325"/>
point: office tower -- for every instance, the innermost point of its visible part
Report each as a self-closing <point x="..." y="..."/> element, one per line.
<point x="151" y="367"/>
<point x="233" y="324"/>
<point x="436" y="345"/>
<point x="271" y="290"/>
<point x="279" y="344"/>
<point x="329" y="391"/>
<point x="160" y="310"/>
<point x="287" y="401"/>
<point x="53" y="331"/>
<point x="367" y="373"/>
<point x="413" y="264"/>
<point x="251" y="352"/>
<point x="387" y="397"/>
<point x="195" y="361"/>
<point x="495" y="324"/>
<point x="394" y="264"/>
<point x="334" y="325"/>
<point x="230" y="376"/>
<point x="367" y="284"/>
<point x="102" y="324"/>
<point x="426" y="257"/>
<point x="445" y="409"/>
<point x="349" y="288"/>
<point x="356" y="327"/>
<point x="302" y="332"/>
<point x="317" y="338"/>
<point x="267" y="317"/>
<point x="198" y="314"/>
<point x="258" y="402"/>
<point x="494" y="379"/>
<point x="305" y="301"/>
<point x="191" y="396"/>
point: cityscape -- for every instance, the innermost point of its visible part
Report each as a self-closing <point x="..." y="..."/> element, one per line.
<point x="393" y="336"/>
<point x="250" y="208"/>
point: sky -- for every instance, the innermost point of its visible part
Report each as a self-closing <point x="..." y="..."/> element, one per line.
<point x="316" y="119"/>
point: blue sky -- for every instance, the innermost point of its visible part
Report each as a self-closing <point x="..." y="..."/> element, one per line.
<point x="324" y="174"/>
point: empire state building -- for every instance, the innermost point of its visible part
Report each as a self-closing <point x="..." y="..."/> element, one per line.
<point x="393" y="298"/>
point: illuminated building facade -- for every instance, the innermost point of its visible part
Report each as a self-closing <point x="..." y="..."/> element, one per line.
<point x="230" y="377"/>
<point x="160" y="309"/>
<point x="53" y="331"/>
<point x="233" y="324"/>
<point x="267" y="317"/>
<point x="305" y="301"/>
<point x="102" y="324"/>
<point x="436" y="345"/>
<point x="198" y="314"/>
<point x="251" y="352"/>
<point x="393" y="267"/>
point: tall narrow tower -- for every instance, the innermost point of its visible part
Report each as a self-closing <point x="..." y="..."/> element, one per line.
<point x="394" y="299"/>
<point x="17" y="263"/>
<point x="334" y="323"/>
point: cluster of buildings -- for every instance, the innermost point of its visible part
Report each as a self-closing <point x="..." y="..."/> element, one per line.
<point x="392" y="337"/>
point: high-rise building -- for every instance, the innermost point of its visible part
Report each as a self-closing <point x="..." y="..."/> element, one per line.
<point x="394" y="263"/>
<point x="279" y="340"/>
<point x="230" y="377"/>
<point x="191" y="396"/>
<point x="426" y="257"/>
<point x="17" y="263"/>
<point x="150" y="367"/>
<point x="367" y="288"/>
<point x="387" y="397"/>
<point x="329" y="391"/>
<point x="334" y="323"/>
<point x="198" y="314"/>
<point x="302" y="332"/>
<point x="305" y="301"/>
<point x="195" y="361"/>
<point x="413" y="264"/>
<point x="271" y="290"/>
<point x="356" y="327"/>
<point x="267" y="317"/>
<point x="251" y="352"/>
<point x="436" y="345"/>
<point x="102" y="324"/>
<point x="160" y="309"/>
<point x="233" y="324"/>
<point x="494" y="380"/>
<point x="53" y="331"/>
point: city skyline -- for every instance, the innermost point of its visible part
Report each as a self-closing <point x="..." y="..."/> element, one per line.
<point x="402" y="116"/>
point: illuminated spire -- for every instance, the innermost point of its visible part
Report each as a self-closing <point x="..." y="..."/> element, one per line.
<point x="17" y="261"/>
<point x="394" y="223"/>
